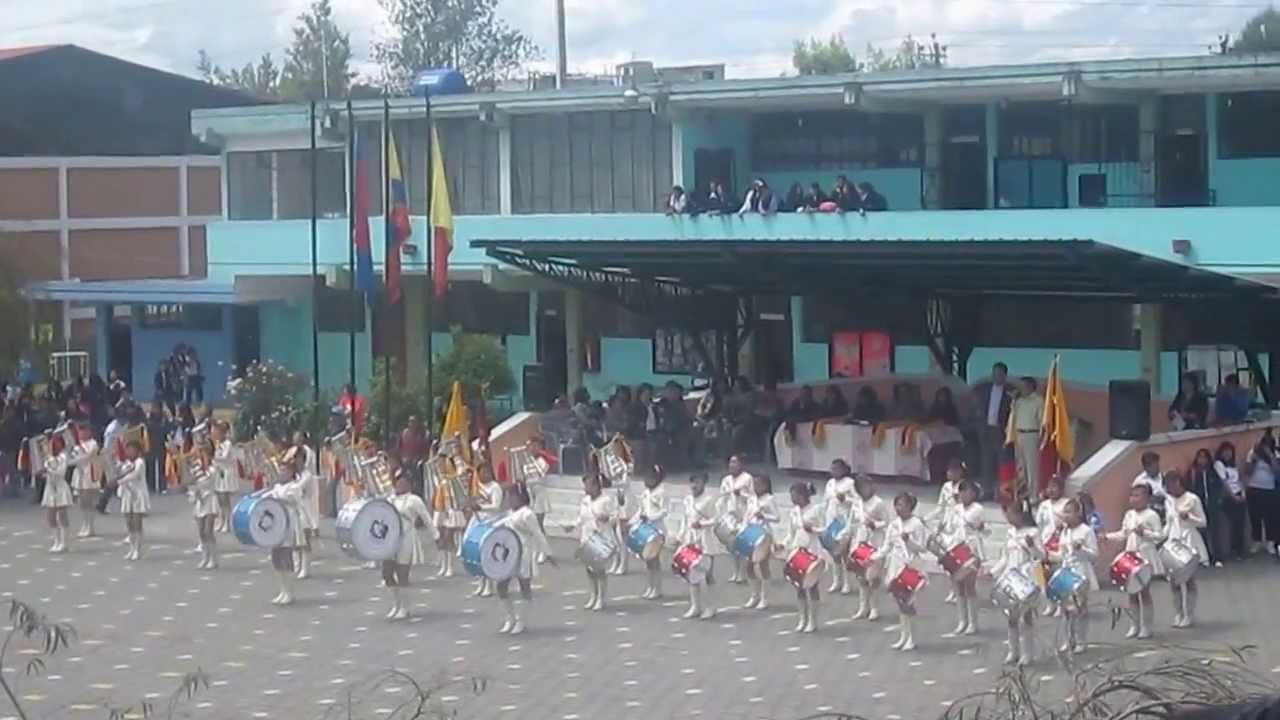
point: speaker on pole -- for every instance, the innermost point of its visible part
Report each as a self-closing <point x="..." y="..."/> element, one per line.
<point x="1129" y="403"/>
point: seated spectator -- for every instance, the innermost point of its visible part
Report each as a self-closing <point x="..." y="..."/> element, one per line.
<point x="1231" y="406"/>
<point x="843" y="195"/>
<point x="805" y="408"/>
<point x="869" y="199"/>
<point x="675" y="427"/>
<point x="760" y="199"/>
<point x="588" y="420"/>
<point x="708" y="422"/>
<point x="944" y="409"/>
<point x="834" y="404"/>
<point x="795" y="199"/>
<point x="677" y="201"/>
<point x="907" y="403"/>
<point x="1190" y="407"/>
<point x="867" y="408"/>
<point x="814" y="199"/>
<point x="617" y="414"/>
<point x="717" y="200"/>
<point x="644" y="416"/>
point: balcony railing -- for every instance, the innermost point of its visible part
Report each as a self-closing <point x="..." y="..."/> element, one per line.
<point x="1048" y="182"/>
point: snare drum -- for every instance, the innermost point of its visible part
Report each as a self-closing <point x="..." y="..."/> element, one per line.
<point x="692" y="564"/>
<point x="959" y="561"/>
<point x="1063" y="585"/>
<point x="752" y="543"/>
<point x="862" y="559"/>
<point x="260" y="521"/>
<point x="803" y="570"/>
<point x="369" y="529"/>
<point x="645" y="541"/>
<point x="908" y="582"/>
<point x="491" y="551"/>
<point x="1130" y="572"/>
<point x="1180" y="561"/>
<point x="1014" y="590"/>
<point x="726" y="531"/>
<point x="830" y="537"/>
<point x="598" y="551"/>
<point x="1054" y="544"/>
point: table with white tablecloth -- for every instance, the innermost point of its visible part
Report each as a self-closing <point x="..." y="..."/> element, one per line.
<point x="897" y="449"/>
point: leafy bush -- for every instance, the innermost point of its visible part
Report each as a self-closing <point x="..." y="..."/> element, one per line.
<point x="474" y="361"/>
<point x="409" y="397"/>
<point x="275" y="399"/>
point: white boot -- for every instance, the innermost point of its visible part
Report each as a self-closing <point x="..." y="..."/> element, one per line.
<point x="279" y="598"/>
<point x="693" y="610"/>
<point x="812" y="625"/>
<point x="834" y="587"/>
<point x="63" y="539"/>
<point x="1148" y="619"/>
<point x="1028" y="647"/>
<point x="802" y="614"/>
<point x="1178" y="605"/>
<point x="972" y="606"/>
<point x="962" y="615"/>
<point x="212" y="549"/>
<point x="951" y="596"/>
<point x="304" y="563"/>
<point x="592" y="594"/>
<point x="864" y="604"/>
<point x="53" y="547"/>
<point x="874" y="613"/>
<point x="402" y="606"/>
<point x="395" y="604"/>
<point x="1080" y="639"/>
<point x="287" y="581"/>
<point x="1014" y="643"/>
<point x="1135" y="622"/>
<point x="754" y="600"/>
<point x="909" y="641"/>
<point x="128" y="554"/>
<point x="510" y="606"/>
<point x="517" y="627"/>
<point x="762" y="592"/>
<point x="604" y="590"/>
<point x="902" y="633"/>
<point x="707" y="608"/>
<point x="1189" y="601"/>
<point x="657" y="584"/>
<point x="736" y="577"/>
<point x="137" y="555"/>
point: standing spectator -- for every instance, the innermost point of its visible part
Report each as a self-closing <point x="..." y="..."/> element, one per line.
<point x="1262" y="496"/>
<point x="677" y="201"/>
<point x="1234" y="500"/>
<point x="414" y="443"/>
<point x="1204" y="481"/>
<point x="869" y="199"/>
<point x="1028" y="410"/>
<point x="115" y="388"/>
<point x="158" y="427"/>
<point x="943" y="410"/>
<point x="1231" y="406"/>
<point x="587" y="419"/>
<point x="675" y="425"/>
<point x="760" y="199"/>
<point x="353" y="406"/>
<point x="992" y="402"/>
<point x="194" y="375"/>
<point x="1190" y="407"/>
<point x="11" y="433"/>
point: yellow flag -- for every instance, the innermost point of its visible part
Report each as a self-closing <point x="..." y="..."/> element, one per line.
<point x="456" y="423"/>
<point x="1055" y="425"/>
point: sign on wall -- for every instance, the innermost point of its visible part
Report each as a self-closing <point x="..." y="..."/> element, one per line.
<point x="858" y="354"/>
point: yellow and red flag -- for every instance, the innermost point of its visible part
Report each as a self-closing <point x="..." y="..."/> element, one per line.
<point x="441" y="218"/>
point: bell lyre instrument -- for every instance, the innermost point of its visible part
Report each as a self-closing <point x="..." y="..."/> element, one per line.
<point x="615" y="459"/>
<point x="200" y="433"/>
<point x="447" y="473"/>
<point x="525" y="466"/>
<point x="376" y="476"/>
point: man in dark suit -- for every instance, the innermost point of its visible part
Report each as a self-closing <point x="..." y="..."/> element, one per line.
<point x="992" y="401"/>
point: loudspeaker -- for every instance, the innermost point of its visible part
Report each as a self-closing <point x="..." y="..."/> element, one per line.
<point x="537" y="394"/>
<point x="1129" y="403"/>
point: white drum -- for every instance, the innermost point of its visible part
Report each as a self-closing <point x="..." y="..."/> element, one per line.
<point x="491" y="551"/>
<point x="369" y="529"/>
<point x="260" y="521"/>
<point x="597" y="551"/>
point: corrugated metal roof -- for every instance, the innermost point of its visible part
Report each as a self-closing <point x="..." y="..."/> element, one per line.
<point x="10" y="53"/>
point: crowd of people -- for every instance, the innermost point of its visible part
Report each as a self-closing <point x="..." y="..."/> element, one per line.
<point x="761" y="199"/>
<point x="179" y="378"/>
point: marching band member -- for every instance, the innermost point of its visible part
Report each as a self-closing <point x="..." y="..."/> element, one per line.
<point x="226" y="478"/>
<point x="447" y="515"/>
<point x="288" y="490"/>
<point x="309" y="508"/>
<point x="597" y="513"/>
<point x="488" y="505"/>
<point x="619" y="521"/>
<point x="525" y="523"/>
<point x="761" y="510"/>
<point x="539" y="495"/>
<point x="968" y="527"/>
<point x="135" y="500"/>
<point x="869" y="517"/>
<point x="414" y="518"/>
<point x="204" y="506"/>
<point x="839" y="497"/>
<point x="653" y="509"/>
<point x="904" y="547"/>
<point x="1049" y="520"/>
<point x="699" y="515"/>
<point x="57" y="493"/>
<point x="1022" y="551"/>
<point x="948" y="498"/>
<point x="1141" y="531"/>
<point x="806" y="525"/>
<point x="735" y="491"/>
<point x="83" y="457"/>
<point x="1185" y="514"/>
<point x="1077" y="549"/>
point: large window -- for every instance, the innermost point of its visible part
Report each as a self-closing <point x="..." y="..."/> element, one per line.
<point x="606" y="319"/>
<point x="179" y="316"/>
<point x="249" y="186"/>
<point x="339" y="311"/>
<point x="835" y="141"/>
<point x="1105" y="133"/>
<point x="293" y="184"/>
<point x="1248" y="125"/>
<point x="1033" y="130"/>
<point x="478" y="308"/>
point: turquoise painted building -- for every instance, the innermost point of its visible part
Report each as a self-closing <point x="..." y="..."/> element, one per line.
<point x="1122" y="212"/>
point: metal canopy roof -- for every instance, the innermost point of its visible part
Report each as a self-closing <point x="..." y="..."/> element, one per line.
<point x="1063" y="267"/>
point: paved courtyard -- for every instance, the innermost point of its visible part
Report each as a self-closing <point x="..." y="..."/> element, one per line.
<point x="143" y="625"/>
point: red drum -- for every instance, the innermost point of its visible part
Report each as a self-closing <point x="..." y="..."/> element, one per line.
<point x="1053" y="544"/>
<point x="1130" y="572"/>
<point x="907" y="584"/>
<point x="803" y="570"/>
<point x="691" y="563"/>
<point x="959" y="561"/>
<point x="861" y="559"/>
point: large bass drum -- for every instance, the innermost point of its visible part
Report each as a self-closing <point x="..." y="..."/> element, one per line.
<point x="260" y="521"/>
<point x="369" y="529"/>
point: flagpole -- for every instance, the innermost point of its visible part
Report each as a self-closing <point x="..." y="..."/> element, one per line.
<point x="315" y="286"/>
<point x="431" y="244"/>
<point x="355" y="309"/>
<point x="388" y="248"/>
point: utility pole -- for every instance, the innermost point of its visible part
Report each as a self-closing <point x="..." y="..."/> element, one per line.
<point x="562" y="57"/>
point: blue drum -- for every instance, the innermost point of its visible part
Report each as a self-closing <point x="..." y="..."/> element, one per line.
<point x="830" y="537"/>
<point x="645" y="541"/>
<point x="260" y="521"/>
<point x="1064" y="584"/>
<point x="752" y="543"/>
<point x="491" y="551"/>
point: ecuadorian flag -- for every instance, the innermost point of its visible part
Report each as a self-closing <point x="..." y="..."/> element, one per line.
<point x="398" y="228"/>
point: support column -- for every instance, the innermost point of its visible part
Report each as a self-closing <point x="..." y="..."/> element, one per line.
<point x="992" y="132"/>
<point x="931" y="183"/>
<point x="1211" y="139"/>
<point x="1148" y="129"/>
<point x="102" y="338"/>
<point x="415" y="326"/>
<point x="504" y="164"/>
<point x="677" y="154"/>
<point x="573" y="338"/>
<point x="1150" y="342"/>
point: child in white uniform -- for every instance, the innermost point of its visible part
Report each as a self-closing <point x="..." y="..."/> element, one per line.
<point x="1141" y="531"/>
<point x="904" y="547"/>
<point x="620" y="528"/>
<point x="415" y="519"/>
<point x="869" y="517"/>
<point x="597" y="513"/>
<point x="1186" y="516"/>
<point x="534" y="544"/>
<point x="699" y="517"/>
<point x="539" y="495"/>
<point x="761" y="510"/>
<point x="1022" y="551"/>
<point x="226" y="478"/>
<point x="57" y="493"/>
<point x="83" y="457"/>
<point x="948" y="498"/>
<point x="449" y="520"/>
<point x="1049" y="523"/>
<point x="488" y="505"/>
<point x="288" y="491"/>
<point x="309" y="505"/>
<point x="735" y="492"/>
<point x="204" y="507"/>
<point x="1077" y="549"/>
<point x="806" y="525"/>
<point x="839" y="498"/>
<point x="135" y="500"/>
<point x="653" y="509"/>
<point x="967" y="526"/>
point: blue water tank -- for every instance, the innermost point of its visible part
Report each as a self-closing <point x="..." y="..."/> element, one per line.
<point x="439" y="81"/>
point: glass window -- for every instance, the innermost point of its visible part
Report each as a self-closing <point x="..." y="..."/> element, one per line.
<point x="1032" y="130"/>
<point x="835" y="141"/>
<point x="249" y="185"/>
<point x="178" y="315"/>
<point x="339" y="311"/>
<point x="606" y="319"/>
<point x="1247" y="124"/>
<point x="293" y="183"/>
<point x="478" y="308"/>
<point x="1105" y="133"/>
<point x="675" y="352"/>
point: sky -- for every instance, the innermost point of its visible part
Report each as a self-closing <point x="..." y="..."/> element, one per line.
<point x="752" y="37"/>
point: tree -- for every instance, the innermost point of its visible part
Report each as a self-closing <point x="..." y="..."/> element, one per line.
<point x="15" y="320"/>
<point x="318" y="63"/>
<point x="261" y="80"/>
<point x="909" y="55"/>
<point x="466" y="35"/>
<point x="815" y="57"/>
<point x="1260" y="34"/>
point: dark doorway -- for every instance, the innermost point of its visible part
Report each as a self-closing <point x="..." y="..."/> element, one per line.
<point x="771" y="340"/>
<point x="964" y="159"/>
<point x="1183" y="178"/>
<point x="120" y="348"/>
<point x="246" y="337"/>
<point x="711" y="165"/>
<point x="551" y="338"/>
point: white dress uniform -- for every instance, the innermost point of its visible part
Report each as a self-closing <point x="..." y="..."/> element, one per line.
<point x="539" y="493"/>
<point x="132" y="487"/>
<point x="800" y="536"/>
<point x="835" y="507"/>
<point x="226" y="474"/>
<point x="490" y="502"/>
<point x="1049" y="514"/>
<point x="948" y="498"/>
<point x="413" y="511"/>
<point x="876" y="510"/>
<point x="735" y="492"/>
<point x="968" y="526"/>
<point x="203" y="502"/>
<point x="290" y="495"/>
<point x="57" y="493"/>
<point x="699" y="515"/>
<point x="532" y="540"/>
<point x="309" y="504"/>
<point x="900" y="553"/>
<point x="652" y="505"/>
<point x="1078" y="550"/>
<point x="597" y="515"/>
<point x="83" y="457"/>
<point x="763" y="510"/>
<point x="1147" y="545"/>
<point x="1187" y="529"/>
<point x="1018" y="553"/>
